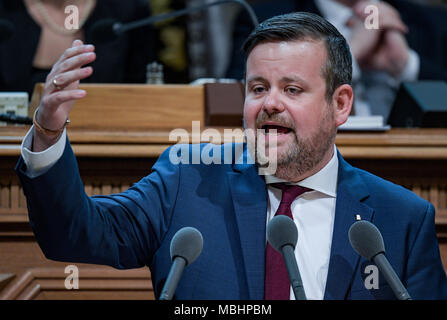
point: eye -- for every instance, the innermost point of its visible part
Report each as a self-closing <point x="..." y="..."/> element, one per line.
<point x="258" y="89"/>
<point x="293" y="90"/>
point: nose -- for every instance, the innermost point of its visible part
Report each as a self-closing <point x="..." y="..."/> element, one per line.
<point x="272" y="102"/>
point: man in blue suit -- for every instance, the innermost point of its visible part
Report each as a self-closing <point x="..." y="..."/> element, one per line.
<point x="297" y="93"/>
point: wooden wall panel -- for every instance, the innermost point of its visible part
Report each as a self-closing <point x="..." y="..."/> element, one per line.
<point x="135" y="107"/>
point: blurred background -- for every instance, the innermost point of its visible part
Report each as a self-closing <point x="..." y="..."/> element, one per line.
<point x="205" y="46"/>
<point x="195" y="46"/>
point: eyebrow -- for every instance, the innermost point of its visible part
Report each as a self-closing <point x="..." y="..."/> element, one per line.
<point x="294" y="78"/>
<point x="256" y="78"/>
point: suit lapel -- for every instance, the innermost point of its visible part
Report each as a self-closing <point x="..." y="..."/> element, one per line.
<point x="249" y="197"/>
<point x="351" y="191"/>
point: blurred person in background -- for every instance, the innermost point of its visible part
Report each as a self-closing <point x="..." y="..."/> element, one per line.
<point x="410" y="44"/>
<point x="39" y="37"/>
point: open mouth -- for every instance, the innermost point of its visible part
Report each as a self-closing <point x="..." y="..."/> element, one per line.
<point x="279" y="129"/>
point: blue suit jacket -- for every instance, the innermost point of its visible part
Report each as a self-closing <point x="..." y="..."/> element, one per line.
<point x="228" y="204"/>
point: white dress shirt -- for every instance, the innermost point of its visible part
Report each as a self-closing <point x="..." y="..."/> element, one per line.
<point x="375" y="91"/>
<point x="313" y="213"/>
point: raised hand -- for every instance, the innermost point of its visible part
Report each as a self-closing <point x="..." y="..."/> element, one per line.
<point x="60" y="92"/>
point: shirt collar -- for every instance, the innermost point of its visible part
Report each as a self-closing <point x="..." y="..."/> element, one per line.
<point x="324" y="181"/>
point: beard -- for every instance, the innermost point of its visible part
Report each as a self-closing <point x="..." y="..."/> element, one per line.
<point x="301" y="155"/>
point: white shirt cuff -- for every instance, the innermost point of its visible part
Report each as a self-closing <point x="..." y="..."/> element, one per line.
<point x="37" y="163"/>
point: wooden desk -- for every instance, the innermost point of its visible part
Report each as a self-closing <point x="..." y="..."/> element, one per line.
<point x="110" y="161"/>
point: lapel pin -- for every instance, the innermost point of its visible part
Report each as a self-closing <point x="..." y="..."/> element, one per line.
<point x="358" y="217"/>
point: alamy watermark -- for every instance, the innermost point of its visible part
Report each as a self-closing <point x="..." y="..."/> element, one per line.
<point x="372" y="20"/>
<point x="72" y="280"/>
<point x="72" y="20"/>
<point x="372" y="279"/>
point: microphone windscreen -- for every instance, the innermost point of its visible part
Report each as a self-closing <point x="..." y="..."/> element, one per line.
<point x="103" y="31"/>
<point x="6" y="30"/>
<point x="187" y="243"/>
<point x="366" y="239"/>
<point x="282" y="231"/>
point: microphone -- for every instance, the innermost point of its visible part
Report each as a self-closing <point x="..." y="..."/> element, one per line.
<point x="6" y="30"/>
<point x="186" y="246"/>
<point x="12" y="118"/>
<point x="283" y="236"/>
<point x="367" y="241"/>
<point x="109" y="29"/>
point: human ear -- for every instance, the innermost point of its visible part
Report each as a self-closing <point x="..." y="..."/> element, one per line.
<point x="342" y="101"/>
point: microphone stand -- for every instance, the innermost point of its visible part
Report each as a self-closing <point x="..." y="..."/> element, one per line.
<point x="288" y="253"/>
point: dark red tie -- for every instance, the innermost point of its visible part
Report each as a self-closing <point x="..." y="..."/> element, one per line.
<point x="277" y="284"/>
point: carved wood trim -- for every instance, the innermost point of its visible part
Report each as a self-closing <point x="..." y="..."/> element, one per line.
<point x="13" y="207"/>
<point x="5" y="279"/>
<point x="39" y="281"/>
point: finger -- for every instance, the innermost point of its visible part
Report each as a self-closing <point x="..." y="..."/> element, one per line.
<point x="76" y="50"/>
<point x="54" y="100"/>
<point x="65" y="79"/>
<point x="73" y="51"/>
<point x="77" y="42"/>
<point x="75" y="62"/>
<point x="69" y="53"/>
